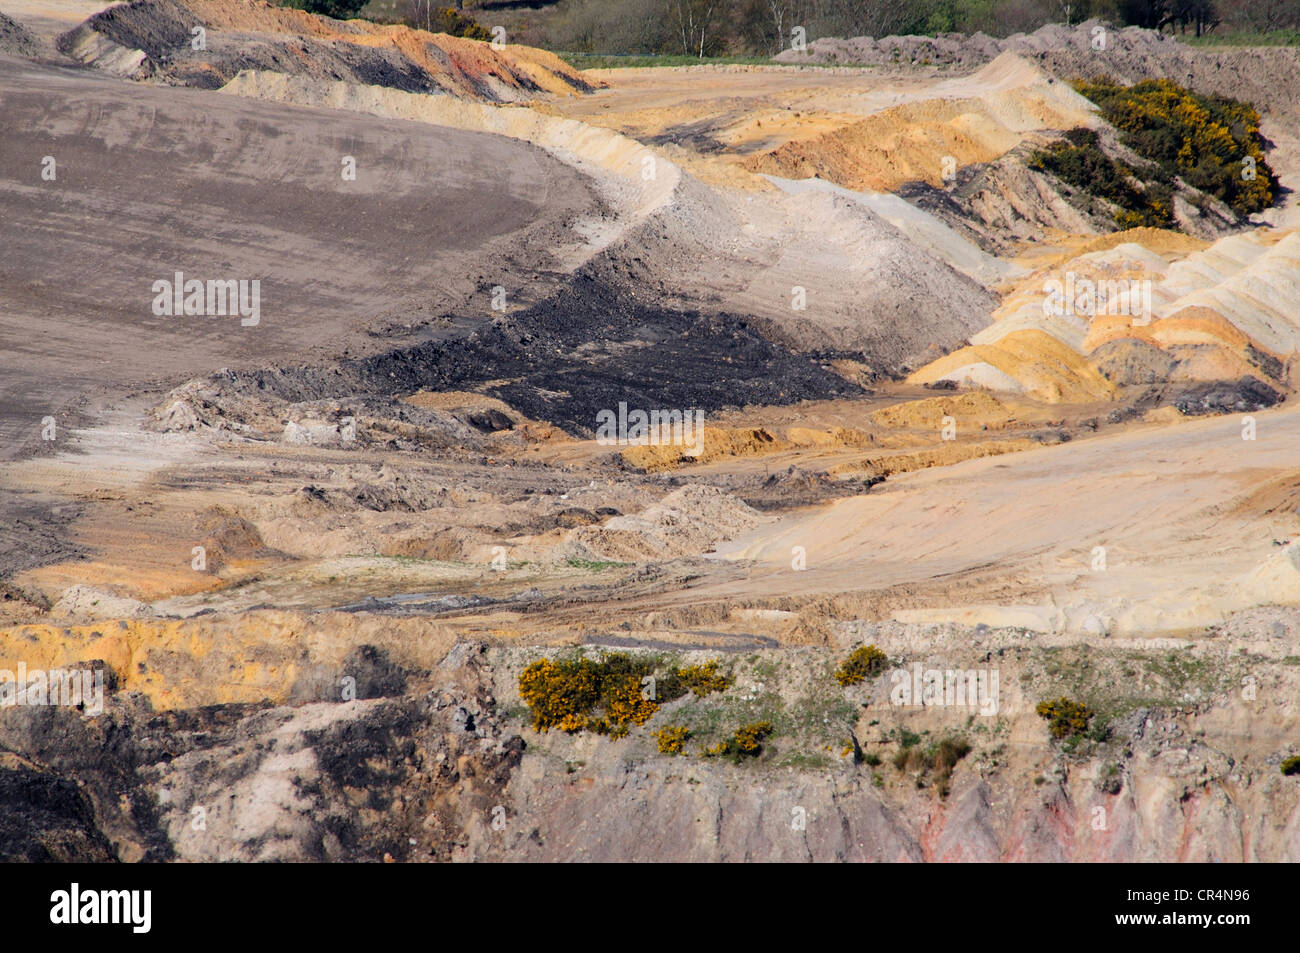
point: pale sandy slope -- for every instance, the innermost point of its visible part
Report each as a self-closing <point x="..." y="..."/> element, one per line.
<point x="1215" y="309"/>
<point x="866" y="282"/>
<point x="1188" y="516"/>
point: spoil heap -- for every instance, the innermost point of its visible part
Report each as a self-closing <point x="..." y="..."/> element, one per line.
<point x="156" y="38"/>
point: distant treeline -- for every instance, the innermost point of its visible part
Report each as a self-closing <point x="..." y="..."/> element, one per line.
<point x="764" y="27"/>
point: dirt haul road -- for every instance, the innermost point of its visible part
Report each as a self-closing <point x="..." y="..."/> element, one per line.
<point x="147" y="182"/>
<point x="1098" y="536"/>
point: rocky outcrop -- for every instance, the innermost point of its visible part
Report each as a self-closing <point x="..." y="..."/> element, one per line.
<point x="437" y="767"/>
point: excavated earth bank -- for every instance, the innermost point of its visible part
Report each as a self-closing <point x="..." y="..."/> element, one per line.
<point x="310" y="558"/>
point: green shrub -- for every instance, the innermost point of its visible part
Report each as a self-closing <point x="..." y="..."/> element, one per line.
<point x="948" y="752"/>
<point x="577" y="694"/>
<point x="1202" y="139"/>
<point x="703" y="680"/>
<point x="672" y="740"/>
<point x="908" y="738"/>
<point x="444" y="20"/>
<point x="338" y="9"/>
<point x="749" y="738"/>
<point x="1291" y="765"/>
<point x="862" y="663"/>
<point x="610" y="695"/>
<point x="1065" y="718"/>
<point x="1078" y="160"/>
<point x="939" y="759"/>
<point x="747" y="742"/>
<point x="912" y="759"/>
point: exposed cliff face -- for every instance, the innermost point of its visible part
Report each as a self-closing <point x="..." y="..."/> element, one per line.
<point x="354" y="780"/>
<point x="46" y="817"/>
<point x="1181" y="765"/>
<point x="1177" y="805"/>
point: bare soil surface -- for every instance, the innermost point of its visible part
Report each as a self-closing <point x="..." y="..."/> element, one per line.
<point x="167" y="180"/>
<point x="336" y="538"/>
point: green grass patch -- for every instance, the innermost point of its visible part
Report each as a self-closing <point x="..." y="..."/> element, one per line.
<point x="1112" y="685"/>
<point x="593" y="565"/>
<point x="1271" y="38"/>
<point x="907" y="739"/>
<point x="805" y="761"/>
<point x="669" y="60"/>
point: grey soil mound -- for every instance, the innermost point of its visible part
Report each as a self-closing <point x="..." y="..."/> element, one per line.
<point x="971" y="52"/>
<point x="1267" y="77"/>
<point x="1133" y="361"/>
<point x="584" y="350"/>
<point x="216" y="187"/>
<point x="15" y="39"/>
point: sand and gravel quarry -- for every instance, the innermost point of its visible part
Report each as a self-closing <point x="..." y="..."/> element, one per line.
<point x="361" y="381"/>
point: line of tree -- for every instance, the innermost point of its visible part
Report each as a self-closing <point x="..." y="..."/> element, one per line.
<point x="710" y="27"/>
<point x="714" y="27"/>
